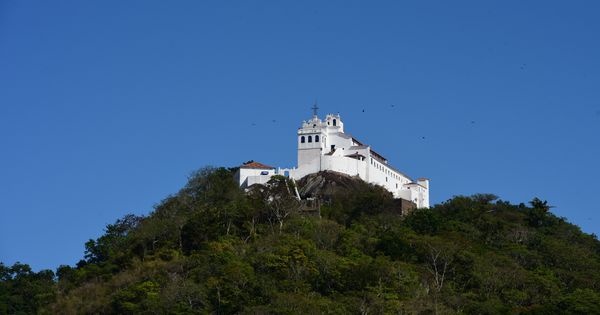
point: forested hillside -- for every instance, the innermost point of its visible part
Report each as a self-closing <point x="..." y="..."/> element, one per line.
<point x="214" y="249"/>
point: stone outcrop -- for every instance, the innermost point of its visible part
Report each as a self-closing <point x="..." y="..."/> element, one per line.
<point x="328" y="185"/>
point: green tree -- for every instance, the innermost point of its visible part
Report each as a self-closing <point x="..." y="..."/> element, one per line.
<point x="23" y="291"/>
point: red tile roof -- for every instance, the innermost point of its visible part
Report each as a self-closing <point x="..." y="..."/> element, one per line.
<point x="257" y="165"/>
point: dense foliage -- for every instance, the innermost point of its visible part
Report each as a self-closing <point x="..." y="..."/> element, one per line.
<point x="213" y="249"/>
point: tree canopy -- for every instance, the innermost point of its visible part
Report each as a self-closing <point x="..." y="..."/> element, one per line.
<point x="215" y="249"/>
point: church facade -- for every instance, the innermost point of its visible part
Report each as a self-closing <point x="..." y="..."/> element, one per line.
<point x="324" y="146"/>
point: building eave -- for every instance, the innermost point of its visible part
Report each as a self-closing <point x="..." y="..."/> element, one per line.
<point x="257" y="165"/>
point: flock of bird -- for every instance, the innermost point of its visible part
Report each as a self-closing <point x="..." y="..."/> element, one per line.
<point x="392" y="106"/>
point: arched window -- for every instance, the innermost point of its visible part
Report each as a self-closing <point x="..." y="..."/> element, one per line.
<point x="317" y="138"/>
<point x="302" y="139"/>
<point x="309" y="139"/>
<point x="334" y="122"/>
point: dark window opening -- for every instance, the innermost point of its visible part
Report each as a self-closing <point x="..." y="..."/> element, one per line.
<point x="317" y="138"/>
<point x="302" y="139"/>
<point x="309" y="139"/>
<point x="332" y="147"/>
<point x="334" y="122"/>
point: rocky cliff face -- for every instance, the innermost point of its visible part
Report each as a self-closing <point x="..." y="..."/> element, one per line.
<point x="328" y="185"/>
<point x="324" y="188"/>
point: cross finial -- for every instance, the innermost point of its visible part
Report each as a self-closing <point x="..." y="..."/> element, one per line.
<point x="315" y="108"/>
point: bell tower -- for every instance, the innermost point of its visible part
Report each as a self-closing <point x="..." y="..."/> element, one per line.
<point x="311" y="139"/>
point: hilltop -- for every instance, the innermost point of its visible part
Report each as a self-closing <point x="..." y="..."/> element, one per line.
<point x="213" y="248"/>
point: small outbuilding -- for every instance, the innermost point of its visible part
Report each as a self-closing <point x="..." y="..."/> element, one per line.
<point x="251" y="173"/>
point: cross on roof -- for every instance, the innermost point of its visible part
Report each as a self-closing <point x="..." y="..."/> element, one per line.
<point x="315" y="108"/>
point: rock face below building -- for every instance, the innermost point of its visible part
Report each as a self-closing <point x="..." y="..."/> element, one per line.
<point x="324" y="146"/>
<point x="329" y="185"/>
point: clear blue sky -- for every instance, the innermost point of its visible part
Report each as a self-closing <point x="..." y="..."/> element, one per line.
<point x="107" y="106"/>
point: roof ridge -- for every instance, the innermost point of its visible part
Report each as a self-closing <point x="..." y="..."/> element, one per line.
<point x="254" y="164"/>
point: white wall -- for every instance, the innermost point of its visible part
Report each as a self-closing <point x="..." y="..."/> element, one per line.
<point x="309" y="153"/>
<point x="381" y="174"/>
<point x="425" y="192"/>
<point x="317" y="156"/>
<point x="346" y="165"/>
<point x="247" y="176"/>
<point x="339" y="142"/>
<point x="258" y="179"/>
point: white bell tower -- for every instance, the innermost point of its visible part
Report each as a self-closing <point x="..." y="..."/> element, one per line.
<point x="311" y="139"/>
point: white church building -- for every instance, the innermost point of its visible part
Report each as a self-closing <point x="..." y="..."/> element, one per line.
<point x="324" y="146"/>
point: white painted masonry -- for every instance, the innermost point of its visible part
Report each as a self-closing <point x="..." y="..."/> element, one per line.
<point x="254" y="173"/>
<point x="323" y="146"/>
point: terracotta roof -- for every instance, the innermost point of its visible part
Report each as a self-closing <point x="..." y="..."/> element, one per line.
<point x="257" y="165"/>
